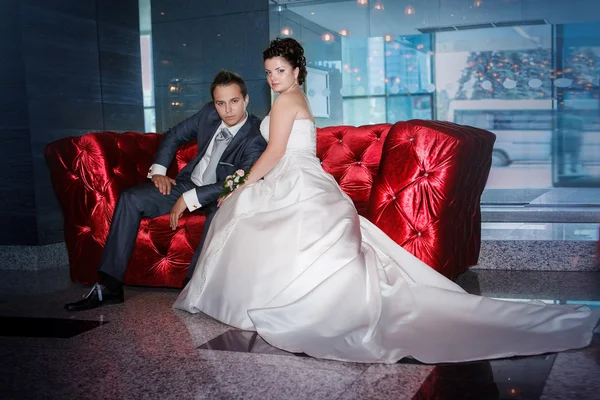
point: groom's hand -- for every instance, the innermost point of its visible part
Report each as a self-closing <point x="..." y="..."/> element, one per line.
<point x="163" y="183"/>
<point x="177" y="212"/>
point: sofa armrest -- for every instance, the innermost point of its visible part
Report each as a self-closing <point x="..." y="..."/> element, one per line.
<point x="427" y="192"/>
<point x="88" y="174"/>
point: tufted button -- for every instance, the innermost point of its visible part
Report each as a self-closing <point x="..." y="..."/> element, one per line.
<point x="378" y="139"/>
<point x="412" y="139"/>
<point x="393" y="197"/>
<point x="419" y="234"/>
<point x="340" y="140"/>
<point x="358" y="163"/>
<point x="426" y="174"/>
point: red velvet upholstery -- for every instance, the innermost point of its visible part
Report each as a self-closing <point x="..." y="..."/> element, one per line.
<point x="352" y="156"/>
<point x="89" y="172"/>
<point x="427" y="193"/>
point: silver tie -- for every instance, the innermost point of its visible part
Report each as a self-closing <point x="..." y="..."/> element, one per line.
<point x="221" y="141"/>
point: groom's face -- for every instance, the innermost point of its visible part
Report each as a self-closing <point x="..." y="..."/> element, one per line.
<point x="230" y="104"/>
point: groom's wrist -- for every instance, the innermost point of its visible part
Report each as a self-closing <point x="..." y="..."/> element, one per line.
<point x="157" y="169"/>
<point x="191" y="200"/>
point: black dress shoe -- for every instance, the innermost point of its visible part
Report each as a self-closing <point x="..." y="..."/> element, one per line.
<point x="97" y="297"/>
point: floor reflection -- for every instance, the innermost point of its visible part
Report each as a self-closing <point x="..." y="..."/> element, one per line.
<point x="45" y="327"/>
<point x="245" y="342"/>
<point x="513" y="378"/>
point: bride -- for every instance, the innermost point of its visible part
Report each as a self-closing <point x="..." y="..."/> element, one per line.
<point x="289" y="257"/>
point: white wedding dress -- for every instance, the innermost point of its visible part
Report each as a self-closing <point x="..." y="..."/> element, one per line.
<point x="290" y="258"/>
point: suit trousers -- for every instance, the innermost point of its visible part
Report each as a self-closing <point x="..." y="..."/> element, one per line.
<point x="142" y="201"/>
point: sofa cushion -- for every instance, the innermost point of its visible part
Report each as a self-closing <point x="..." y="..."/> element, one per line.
<point x="352" y="156"/>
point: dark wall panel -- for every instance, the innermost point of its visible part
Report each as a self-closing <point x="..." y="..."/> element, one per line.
<point x="176" y="10"/>
<point x="194" y="40"/>
<point x="17" y="192"/>
<point x="68" y="67"/>
<point x="120" y="65"/>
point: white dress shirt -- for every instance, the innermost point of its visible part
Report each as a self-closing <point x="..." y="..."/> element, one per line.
<point x="190" y="197"/>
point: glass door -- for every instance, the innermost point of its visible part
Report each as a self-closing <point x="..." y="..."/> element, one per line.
<point x="576" y="144"/>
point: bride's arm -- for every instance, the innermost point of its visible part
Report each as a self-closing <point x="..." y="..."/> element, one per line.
<point x="283" y="113"/>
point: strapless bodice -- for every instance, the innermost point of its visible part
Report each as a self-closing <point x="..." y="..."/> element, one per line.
<point x="303" y="138"/>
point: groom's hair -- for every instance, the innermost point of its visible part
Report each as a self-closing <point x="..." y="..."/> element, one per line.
<point x="226" y="78"/>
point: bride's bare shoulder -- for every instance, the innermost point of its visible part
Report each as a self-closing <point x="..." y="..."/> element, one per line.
<point x="292" y="103"/>
<point x="288" y="97"/>
<point x="289" y="102"/>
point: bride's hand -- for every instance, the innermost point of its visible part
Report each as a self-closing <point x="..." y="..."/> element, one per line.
<point x="222" y="199"/>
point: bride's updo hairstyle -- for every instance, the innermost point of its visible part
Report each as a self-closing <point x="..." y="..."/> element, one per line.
<point x="291" y="51"/>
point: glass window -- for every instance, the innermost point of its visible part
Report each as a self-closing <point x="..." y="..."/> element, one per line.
<point x="577" y="151"/>
<point x="393" y="72"/>
<point x="404" y="108"/>
<point x="534" y="84"/>
<point x="522" y="120"/>
<point x="408" y="61"/>
<point x="500" y="81"/>
<point x="147" y="66"/>
<point x="364" y="111"/>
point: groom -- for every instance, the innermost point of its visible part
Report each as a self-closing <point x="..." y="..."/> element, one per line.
<point x="228" y="139"/>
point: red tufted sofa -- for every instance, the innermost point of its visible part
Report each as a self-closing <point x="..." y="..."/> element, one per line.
<point x="419" y="181"/>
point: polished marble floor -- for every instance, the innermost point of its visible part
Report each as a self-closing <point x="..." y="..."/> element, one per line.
<point x="143" y="349"/>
